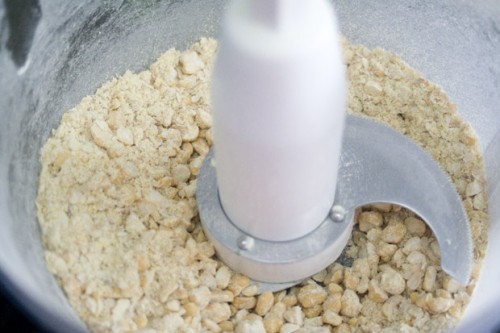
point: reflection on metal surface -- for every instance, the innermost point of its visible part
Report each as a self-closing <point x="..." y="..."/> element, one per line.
<point x="23" y="17"/>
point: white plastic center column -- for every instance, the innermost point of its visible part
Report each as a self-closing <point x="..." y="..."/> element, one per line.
<point x="278" y="99"/>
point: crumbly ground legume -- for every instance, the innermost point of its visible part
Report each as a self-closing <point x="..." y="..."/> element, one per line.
<point x="122" y="236"/>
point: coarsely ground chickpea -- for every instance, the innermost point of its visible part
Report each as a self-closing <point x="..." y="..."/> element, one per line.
<point x="122" y="236"/>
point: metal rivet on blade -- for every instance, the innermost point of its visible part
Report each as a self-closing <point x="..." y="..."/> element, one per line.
<point x="245" y="243"/>
<point x="337" y="213"/>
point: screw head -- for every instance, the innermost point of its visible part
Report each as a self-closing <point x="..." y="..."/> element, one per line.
<point x="337" y="213"/>
<point x="245" y="243"/>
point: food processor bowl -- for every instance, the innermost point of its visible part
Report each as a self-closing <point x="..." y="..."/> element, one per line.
<point x="53" y="53"/>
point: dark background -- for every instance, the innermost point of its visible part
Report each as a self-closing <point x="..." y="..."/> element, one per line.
<point x="14" y="321"/>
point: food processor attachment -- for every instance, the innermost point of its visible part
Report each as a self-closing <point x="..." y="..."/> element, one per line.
<point x="270" y="197"/>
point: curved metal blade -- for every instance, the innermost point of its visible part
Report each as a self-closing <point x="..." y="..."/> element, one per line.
<point x="379" y="164"/>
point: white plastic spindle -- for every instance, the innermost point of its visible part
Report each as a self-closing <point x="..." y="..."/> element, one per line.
<point x="278" y="96"/>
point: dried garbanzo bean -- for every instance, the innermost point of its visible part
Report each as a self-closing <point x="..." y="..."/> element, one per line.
<point x="350" y="304"/>
<point x="264" y="302"/>
<point x="370" y="219"/>
<point x="332" y="318"/>
<point x="311" y="295"/>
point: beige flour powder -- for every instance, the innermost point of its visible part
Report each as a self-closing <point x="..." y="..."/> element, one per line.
<point x="119" y="218"/>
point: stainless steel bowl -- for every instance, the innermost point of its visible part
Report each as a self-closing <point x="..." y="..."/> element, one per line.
<point x="55" y="52"/>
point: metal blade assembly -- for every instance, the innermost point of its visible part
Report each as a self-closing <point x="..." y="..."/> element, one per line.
<point x="377" y="165"/>
<point x="278" y="199"/>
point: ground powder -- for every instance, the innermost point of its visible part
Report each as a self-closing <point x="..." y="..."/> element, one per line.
<point x="117" y="209"/>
